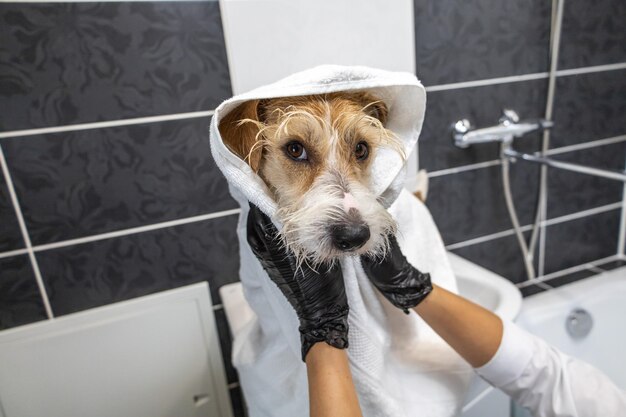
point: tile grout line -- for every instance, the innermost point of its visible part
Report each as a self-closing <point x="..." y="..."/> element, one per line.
<point x="596" y="269"/>
<point x="591" y="69"/>
<point x="485" y="238"/>
<point x="106" y="124"/>
<point x="11" y="253"/>
<point x="528" y="227"/>
<point x="577" y="268"/>
<point x="525" y="77"/>
<point x="25" y="235"/>
<point x="487" y="82"/>
<point x="556" y="151"/>
<point x="464" y="168"/>
<point x="191" y="115"/>
<point x="225" y="213"/>
<point x="135" y="230"/>
<point x="621" y="239"/>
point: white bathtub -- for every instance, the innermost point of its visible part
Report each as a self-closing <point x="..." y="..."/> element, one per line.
<point x="604" y="297"/>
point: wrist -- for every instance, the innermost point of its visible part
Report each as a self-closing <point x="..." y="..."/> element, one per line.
<point x="428" y="301"/>
<point x="330" y="327"/>
<point x="323" y="354"/>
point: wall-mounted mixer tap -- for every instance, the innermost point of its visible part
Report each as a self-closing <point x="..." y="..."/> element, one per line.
<point x="509" y="127"/>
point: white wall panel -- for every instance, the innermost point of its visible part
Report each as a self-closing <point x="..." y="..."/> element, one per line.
<point x="269" y="39"/>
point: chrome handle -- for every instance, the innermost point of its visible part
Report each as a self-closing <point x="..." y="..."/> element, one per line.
<point x="509" y="127"/>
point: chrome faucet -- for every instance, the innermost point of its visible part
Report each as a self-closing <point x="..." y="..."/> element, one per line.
<point x="509" y="127"/>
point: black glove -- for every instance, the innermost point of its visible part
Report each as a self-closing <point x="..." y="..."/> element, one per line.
<point x="403" y="285"/>
<point x="319" y="298"/>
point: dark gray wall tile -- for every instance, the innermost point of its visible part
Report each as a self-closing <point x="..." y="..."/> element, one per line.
<point x="84" y="62"/>
<point x="593" y="33"/>
<point x="10" y="235"/>
<point x="570" y="278"/>
<point x="468" y="40"/>
<point x="483" y="107"/>
<point x="20" y="301"/>
<point x="570" y="192"/>
<point x="103" y="272"/>
<point x="612" y="265"/>
<point x="502" y="256"/>
<point x="531" y="290"/>
<point x="93" y="181"/>
<point x="589" y="107"/>
<point x="582" y="240"/>
<point x="226" y="345"/>
<point x="471" y="204"/>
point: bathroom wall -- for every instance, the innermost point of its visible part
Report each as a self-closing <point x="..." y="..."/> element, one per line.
<point x="478" y="57"/>
<point x="108" y="191"/>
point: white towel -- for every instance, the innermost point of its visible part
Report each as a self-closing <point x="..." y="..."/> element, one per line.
<point x="399" y="365"/>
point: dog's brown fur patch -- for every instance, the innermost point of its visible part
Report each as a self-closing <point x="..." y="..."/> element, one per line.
<point x="314" y="192"/>
<point x="258" y="130"/>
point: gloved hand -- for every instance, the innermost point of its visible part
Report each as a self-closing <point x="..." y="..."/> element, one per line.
<point x="319" y="297"/>
<point x="402" y="284"/>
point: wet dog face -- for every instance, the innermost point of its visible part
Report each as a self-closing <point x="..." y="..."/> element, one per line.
<point x="315" y="155"/>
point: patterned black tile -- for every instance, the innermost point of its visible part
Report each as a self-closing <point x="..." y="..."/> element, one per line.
<point x="612" y="265"/>
<point x="226" y="344"/>
<point x="593" y="33"/>
<point x="502" y="256"/>
<point x="582" y="240"/>
<point x="237" y="402"/>
<point x="20" y="301"/>
<point x="532" y="290"/>
<point x="471" y="204"/>
<point x="94" y="181"/>
<point x="570" y="192"/>
<point x="10" y="235"/>
<point x="483" y="107"/>
<point x="589" y="107"/>
<point x="468" y="40"/>
<point x="98" y="273"/>
<point x="83" y="62"/>
<point x="569" y="278"/>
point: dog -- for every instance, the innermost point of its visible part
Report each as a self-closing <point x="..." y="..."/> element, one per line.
<point x="314" y="153"/>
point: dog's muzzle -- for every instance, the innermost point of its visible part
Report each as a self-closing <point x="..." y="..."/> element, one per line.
<point x="351" y="233"/>
<point x="351" y="236"/>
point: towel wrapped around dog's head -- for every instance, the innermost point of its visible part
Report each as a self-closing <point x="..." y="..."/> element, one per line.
<point x="383" y="342"/>
<point x="402" y="93"/>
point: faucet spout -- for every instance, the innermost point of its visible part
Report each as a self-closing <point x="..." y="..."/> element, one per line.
<point x="509" y="127"/>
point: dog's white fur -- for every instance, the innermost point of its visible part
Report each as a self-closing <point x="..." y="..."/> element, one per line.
<point x="331" y="187"/>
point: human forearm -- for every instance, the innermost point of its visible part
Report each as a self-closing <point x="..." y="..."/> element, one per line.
<point x="331" y="391"/>
<point x="472" y="331"/>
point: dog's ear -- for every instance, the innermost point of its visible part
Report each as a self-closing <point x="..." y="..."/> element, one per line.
<point x="373" y="107"/>
<point x="378" y="110"/>
<point x="240" y="132"/>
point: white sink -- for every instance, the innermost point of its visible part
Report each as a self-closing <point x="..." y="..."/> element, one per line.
<point x="475" y="283"/>
<point x="486" y="288"/>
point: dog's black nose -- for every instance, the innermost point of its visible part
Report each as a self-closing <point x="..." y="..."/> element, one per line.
<point x="349" y="237"/>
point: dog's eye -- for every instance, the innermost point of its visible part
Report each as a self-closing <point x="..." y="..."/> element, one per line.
<point x="296" y="151"/>
<point x="361" y="151"/>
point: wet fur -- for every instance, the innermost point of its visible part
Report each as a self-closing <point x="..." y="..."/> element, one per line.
<point x="310" y="195"/>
